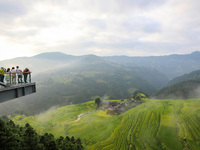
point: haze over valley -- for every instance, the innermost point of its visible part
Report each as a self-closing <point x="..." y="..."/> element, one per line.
<point x="65" y="79"/>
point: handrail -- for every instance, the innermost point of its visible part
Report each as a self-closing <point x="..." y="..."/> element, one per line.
<point x="10" y="79"/>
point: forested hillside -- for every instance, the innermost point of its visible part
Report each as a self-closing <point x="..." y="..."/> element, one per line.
<point x="182" y="90"/>
<point x="16" y="137"/>
<point x="194" y="75"/>
<point x="183" y="87"/>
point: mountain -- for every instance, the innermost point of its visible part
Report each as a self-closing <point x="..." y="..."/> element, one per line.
<point x="181" y="90"/>
<point x="194" y="75"/>
<point x="54" y="56"/>
<point x="66" y="79"/>
<point x="183" y="87"/>
<point x="42" y="62"/>
<point x="172" y="66"/>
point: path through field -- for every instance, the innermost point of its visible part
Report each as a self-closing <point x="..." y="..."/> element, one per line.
<point x="79" y="117"/>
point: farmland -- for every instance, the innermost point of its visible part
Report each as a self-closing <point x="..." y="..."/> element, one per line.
<point x="155" y="124"/>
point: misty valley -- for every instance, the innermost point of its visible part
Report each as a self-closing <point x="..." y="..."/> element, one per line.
<point x="110" y="103"/>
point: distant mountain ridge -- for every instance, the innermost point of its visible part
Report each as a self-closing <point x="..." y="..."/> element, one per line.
<point x="53" y="55"/>
<point x="64" y="79"/>
<point x="171" y="65"/>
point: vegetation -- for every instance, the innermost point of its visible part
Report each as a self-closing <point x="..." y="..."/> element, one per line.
<point x="98" y="102"/>
<point x="155" y="124"/>
<point x="195" y="75"/>
<point x="14" y="137"/>
<point x="182" y="90"/>
<point x="183" y="87"/>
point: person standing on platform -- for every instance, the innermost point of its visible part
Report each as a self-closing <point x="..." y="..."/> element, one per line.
<point x="8" y="76"/>
<point x="19" y="74"/>
<point x="2" y="71"/>
<point x="25" y="73"/>
<point x="13" y="73"/>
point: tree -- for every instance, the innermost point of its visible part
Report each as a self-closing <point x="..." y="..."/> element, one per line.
<point x="31" y="138"/>
<point x="98" y="102"/>
<point x="14" y="137"/>
<point x="60" y="141"/>
<point x="9" y="137"/>
<point x="73" y="140"/>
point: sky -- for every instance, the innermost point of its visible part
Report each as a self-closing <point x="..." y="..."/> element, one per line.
<point x="99" y="27"/>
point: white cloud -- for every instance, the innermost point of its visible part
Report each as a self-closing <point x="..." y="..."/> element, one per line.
<point x="114" y="27"/>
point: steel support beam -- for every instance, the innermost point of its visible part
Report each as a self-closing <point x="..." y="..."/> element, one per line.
<point x="15" y="91"/>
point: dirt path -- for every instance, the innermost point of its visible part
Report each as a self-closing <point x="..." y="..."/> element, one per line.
<point x="79" y="117"/>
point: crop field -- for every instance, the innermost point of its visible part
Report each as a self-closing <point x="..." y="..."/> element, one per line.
<point x="155" y="124"/>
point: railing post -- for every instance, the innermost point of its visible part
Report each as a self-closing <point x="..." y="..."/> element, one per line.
<point x="30" y="78"/>
<point x="10" y="78"/>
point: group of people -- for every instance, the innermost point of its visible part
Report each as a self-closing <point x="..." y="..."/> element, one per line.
<point x="11" y="75"/>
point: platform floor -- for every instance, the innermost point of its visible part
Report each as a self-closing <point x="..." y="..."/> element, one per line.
<point x="17" y="90"/>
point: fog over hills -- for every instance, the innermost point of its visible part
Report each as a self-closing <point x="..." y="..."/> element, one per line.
<point x="172" y="65"/>
<point x="65" y="79"/>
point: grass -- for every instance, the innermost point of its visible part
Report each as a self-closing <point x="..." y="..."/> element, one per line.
<point x="155" y="124"/>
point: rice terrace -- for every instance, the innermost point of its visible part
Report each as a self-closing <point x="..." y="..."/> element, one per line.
<point x="154" y="124"/>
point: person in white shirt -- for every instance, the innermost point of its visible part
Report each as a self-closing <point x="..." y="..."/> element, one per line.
<point x="13" y="73"/>
<point x="19" y="74"/>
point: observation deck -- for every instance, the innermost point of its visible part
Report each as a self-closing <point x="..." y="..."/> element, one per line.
<point x="10" y="90"/>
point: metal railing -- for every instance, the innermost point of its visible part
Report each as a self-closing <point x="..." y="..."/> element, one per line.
<point x="10" y="79"/>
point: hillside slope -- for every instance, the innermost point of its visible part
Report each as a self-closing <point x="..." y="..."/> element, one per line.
<point x="183" y="87"/>
<point x="182" y="90"/>
<point x="155" y="124"/>
<point x="195" y="75"/>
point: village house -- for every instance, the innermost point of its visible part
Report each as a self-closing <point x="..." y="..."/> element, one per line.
<point x="114" y="107"/>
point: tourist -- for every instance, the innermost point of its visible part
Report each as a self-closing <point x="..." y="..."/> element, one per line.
<point x="13" y="73"/>
<point x="2" y="71"/>
<point x="25" y="73"/>
<point x="8" y="76"/>
<point x="19" y="74"/>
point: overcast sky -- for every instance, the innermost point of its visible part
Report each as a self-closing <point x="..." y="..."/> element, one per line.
<point x="100" y="27"/>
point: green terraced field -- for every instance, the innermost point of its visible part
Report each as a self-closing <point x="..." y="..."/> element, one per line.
<point x="155" y="124"/>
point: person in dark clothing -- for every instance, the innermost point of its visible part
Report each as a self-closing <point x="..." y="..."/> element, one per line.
<point x="25" y="73"/>
<point x="8" y="76"/>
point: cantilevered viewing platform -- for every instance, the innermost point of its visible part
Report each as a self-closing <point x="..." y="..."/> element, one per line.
<point x="15" y="91"/>
<point x="14" y="86"/>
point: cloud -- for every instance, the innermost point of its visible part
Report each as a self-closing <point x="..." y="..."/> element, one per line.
<point x="9" y="7"/>
<point x="114" y="27"/>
